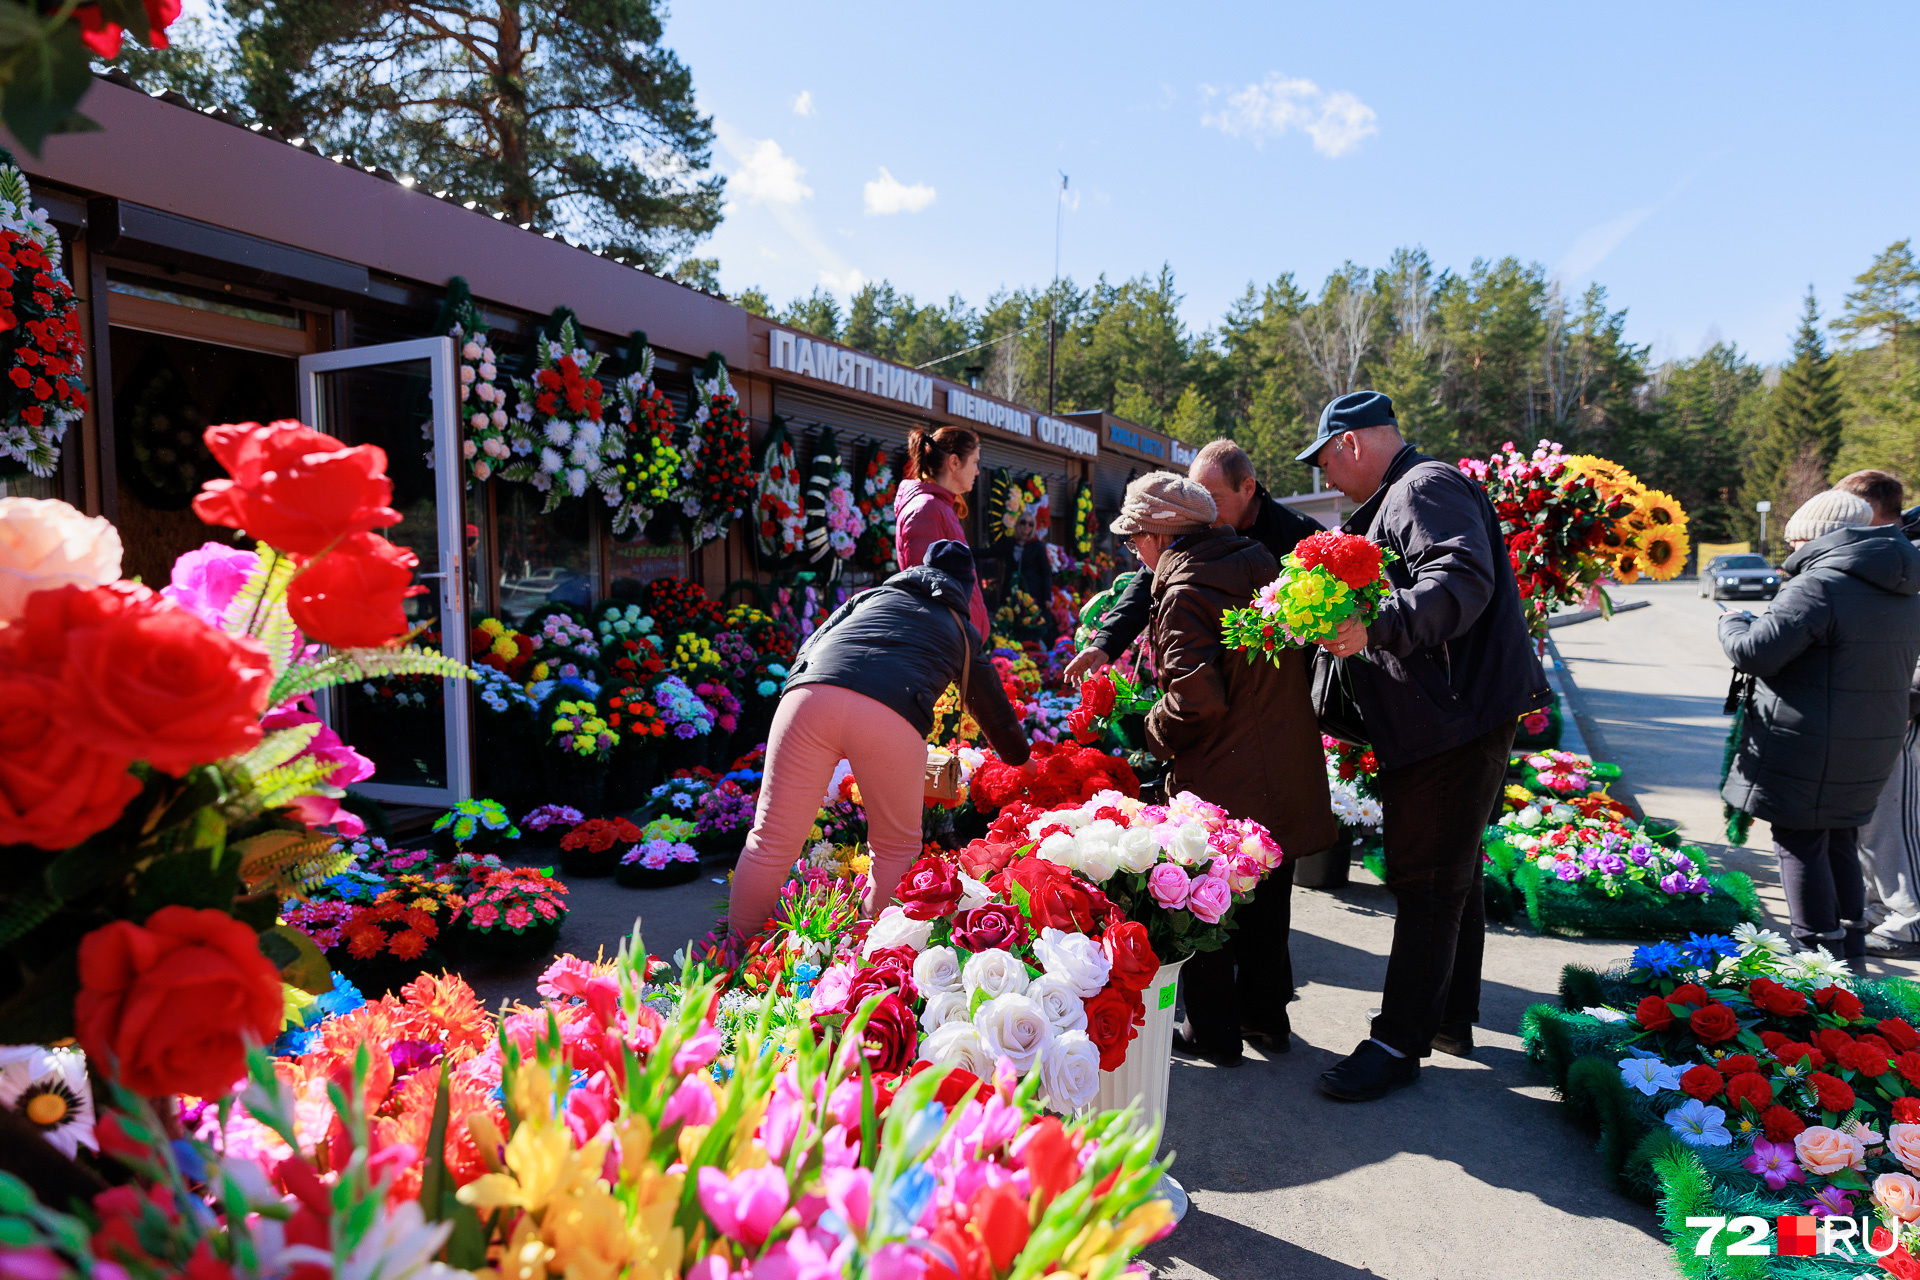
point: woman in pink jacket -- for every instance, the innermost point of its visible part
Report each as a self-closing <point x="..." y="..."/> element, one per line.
<point x="927" y="507"/>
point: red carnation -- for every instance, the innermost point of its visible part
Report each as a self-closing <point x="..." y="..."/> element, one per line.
<point x="1834" y="1093"/>
<point x="1751" y="1088"/>
<point x="1781" y="1124"/>
<point x="1348" y="557"/>
<point x="1906" y="1110"/>
<point x="1702" y="1082"/>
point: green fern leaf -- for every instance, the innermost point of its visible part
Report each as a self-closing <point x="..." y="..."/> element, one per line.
<point x="291" y="861"/>
<point x="349" y="666"/>
<point x="256" y="794"/>
<point x="277" y="748"/>
<point x="259" y="609"/>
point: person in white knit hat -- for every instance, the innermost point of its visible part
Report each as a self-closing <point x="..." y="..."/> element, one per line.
<point x="1827" y="711"/>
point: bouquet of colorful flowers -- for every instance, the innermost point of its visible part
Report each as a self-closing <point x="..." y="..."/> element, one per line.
<point x="716" y="471"/>
<point x="1351" y="771"/>
<point x="1603" y="852"/>
<point x="693" y="657"/>
<point x="512" y="913"/>
<point x="678" y="797"/>
<point x="726" y="812"/>
<point x="632" y="714"/>
<point x="1562" y="774"/>
<point x="476" y="823"/>
<point x="1049" y="715"/>
<point x="550" y="817"/>
<point x="492" y="643"/>
<point x="614" y="623"/>
<point x="558" y="433"/>
<point x="1085" y="527"/>
<point x="579" y="730"/>
<point x="647" y="469"/>
<point x="677" y="605"/>
<point x="564" y="647"/>
<point x="685" y="715"/>
<point x="1020" y="615"/>
<point x="595" y="847"/>
<point x="393" y="938"/>
<point x="1327" y="579"/>
<point x="1648" y="529"/>
<point x="658" y="861"/>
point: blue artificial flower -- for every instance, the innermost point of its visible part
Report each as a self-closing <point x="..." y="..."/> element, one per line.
<point x="1705" y="949"/>
<point x="910" y="1194"/>
<point x="1656" y="959"/>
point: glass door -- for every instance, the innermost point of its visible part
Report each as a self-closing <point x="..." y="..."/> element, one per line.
<point x="401" y="396"/>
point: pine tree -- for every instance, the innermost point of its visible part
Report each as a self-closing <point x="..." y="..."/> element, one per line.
<point x="1801" y="440"/>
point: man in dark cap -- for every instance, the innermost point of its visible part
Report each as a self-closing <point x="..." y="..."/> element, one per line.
<point x="1443" y="672"/>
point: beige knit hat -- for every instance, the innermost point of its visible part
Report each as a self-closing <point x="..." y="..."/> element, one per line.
<point x="1824" y="513"/>
<point x="1162" y="502"/>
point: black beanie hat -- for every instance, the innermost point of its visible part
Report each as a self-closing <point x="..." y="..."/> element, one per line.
<point x="955" y="559"/>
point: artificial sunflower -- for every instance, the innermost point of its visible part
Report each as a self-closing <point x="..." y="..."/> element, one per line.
<point x="1663" y="549"/>
<point x="1627" y="568"/>
<point x="1657" y="507"/>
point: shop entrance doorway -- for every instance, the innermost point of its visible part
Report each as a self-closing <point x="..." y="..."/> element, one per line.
<point x="401" y="396"/>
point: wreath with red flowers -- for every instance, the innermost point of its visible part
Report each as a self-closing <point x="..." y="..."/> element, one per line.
<point x="42" y="394"/>
<point x="677" y="605"/>
<point x="716" y="473"/>
<point x="877" y="484"/>
<point x="781" y="519"/>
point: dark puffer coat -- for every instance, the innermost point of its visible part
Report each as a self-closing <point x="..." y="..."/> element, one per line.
<point x="899" y="644"/>
<point x="1240" y="731"/>
<point x="1833" y="658"/>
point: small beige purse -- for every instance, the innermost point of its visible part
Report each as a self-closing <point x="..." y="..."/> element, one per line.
<point x="943" y="767"/>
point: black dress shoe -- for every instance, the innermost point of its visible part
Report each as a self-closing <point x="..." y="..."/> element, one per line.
<point x="1369" y="1072"/>
<point x="1269" y="1042"/>
<point x="1457" y="1041"/>
<point x="1181" y="1044"/>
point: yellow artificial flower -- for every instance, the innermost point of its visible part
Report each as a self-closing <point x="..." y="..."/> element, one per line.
<point x="1664" y="549"/>
<point x="541" y="1160"/>
<point x="493" y="626"/>
<point x="504" y="647"/>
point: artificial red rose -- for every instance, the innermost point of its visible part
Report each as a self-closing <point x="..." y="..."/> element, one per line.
<point x="1689" y="993"/>
<point x="1055" y="898"/>
<point x="1899" y="1033"/>
<point x="55" y="791"/>
<point x="1714" y="1023"/>
<point x="1781" y="1124"/>
<point x="1834" y="1093"/>
<point x="1769" y="996"/>
<point x="1771" y="1039"/>
<point x="1895" y="1259"/>
<point x="354" y="597"/>
<point x="1110" y="1022"/>
<point x="1130" y="958"/>
<point x="169" y="1006"/>
<point x="889" y="1038"/>
<point x="1839" y="1001"/>
<point x="1653" y="1014"/>
<point x="982" y="858"/>
<point x="900" y="957"/>
<point x="1702" y="1082"/>
<point x="1751" y="1088"/>
<point x="1052" y="1158"/>
<point x="1908" y="1065"/>
<point x="295" y="489"/>
<point x="956" y="1086"/>
<point x="1009" y="826"/>
<point x="1735" y="1063"/>
<point x="1097" y="695"/>
<point x="140" y="677"/>
<point x="995" y="925"/>
<point x="873" y="980"/>
<point x="930" y="889"/>
<point x="1906" y="1110"/>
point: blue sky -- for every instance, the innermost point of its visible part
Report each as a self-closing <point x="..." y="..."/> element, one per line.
<point x="1704" y="162"/>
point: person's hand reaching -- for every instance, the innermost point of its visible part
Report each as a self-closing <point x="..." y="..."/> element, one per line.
<point x="1348" y="639"/>
<point x="1086" y="663"/>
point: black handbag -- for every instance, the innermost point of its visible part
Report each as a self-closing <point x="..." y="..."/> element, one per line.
<point x="1333" y="702"/>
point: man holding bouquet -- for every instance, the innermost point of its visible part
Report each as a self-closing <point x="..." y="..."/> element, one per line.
<point x="1440" y="676"/>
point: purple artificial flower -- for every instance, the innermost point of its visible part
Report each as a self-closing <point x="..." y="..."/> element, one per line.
<point x="1699" y="885"/>
<point x="1640" y="855"/>
<point x="206" y="580"/>
<point x="1567" y="870"/>
<point x="1775" y="1162"/>
<point x="1611" y="864"/>
<point x="1832" y="1202"/>
<point x="1673" y="882"/>
<point x="1683" y="862"/>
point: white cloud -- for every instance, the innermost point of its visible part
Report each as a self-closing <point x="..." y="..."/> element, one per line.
<point x="887" y="194"/>
<point x="1593" y="245"/>
<point x="803" y="105"/>
<point x="764" y="174"/>
<point x="1336" y="121"/>
<point x="846" y="283"/>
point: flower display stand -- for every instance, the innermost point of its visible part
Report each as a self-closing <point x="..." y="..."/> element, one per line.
<point x="1143" y="1078"/>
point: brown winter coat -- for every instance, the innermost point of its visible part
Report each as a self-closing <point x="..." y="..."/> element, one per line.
<point x="1240" y="731"/>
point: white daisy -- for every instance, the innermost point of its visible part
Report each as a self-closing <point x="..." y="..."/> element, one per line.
<point x="49" y="1088"/>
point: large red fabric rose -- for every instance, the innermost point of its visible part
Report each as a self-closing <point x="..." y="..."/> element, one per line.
<point x="1714" y="1023"/>
<point x="141" y="677"/>
<point x="930" y="889"/>
<point x="1908" y="1065"/>
<point x="1769" y="996"/>
<point x="994" y="925"/>
<point x="169" y="1006"/>
<point x="890" y="1035"/>
<point x="354" y="597"/>
<point x="1653" y="1013"/>
<point x="295" y="489"/>
<point x="1055" y="898"/>
<point x="55" y="791"/>
<point x="1130" y="958"/>
<point x="1111" y="1018"/>
<point x="1689" y="993"/>
<point x="1839" y="1001"/>
<point x="982" y="858"/>
<point x="1899" y="1033"/>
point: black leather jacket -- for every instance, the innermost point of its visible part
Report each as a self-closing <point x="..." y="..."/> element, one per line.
<point x="899" y="644"/>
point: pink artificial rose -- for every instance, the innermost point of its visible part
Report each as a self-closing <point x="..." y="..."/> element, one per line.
<point x="45" y="544"/>
<point x="1241" y="872"/>
<point x="1169" y="885"/>
<point x="850" y="1194"/>
<point x="747" y="1206"/>
<point x="343" y="764"/>
<point x="205" y="581"/>
<point x="1210" y="899"/>
<point x="1897" y="1194"/>
<point x="830" y="993"/>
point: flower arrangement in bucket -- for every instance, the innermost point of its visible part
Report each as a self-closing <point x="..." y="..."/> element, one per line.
<point x="595" y="847"/>
<point x="657" y="862"/>
<point x="1327" y="579"/>
<point x="399" y="935"/>
<point x="512" y="913"/>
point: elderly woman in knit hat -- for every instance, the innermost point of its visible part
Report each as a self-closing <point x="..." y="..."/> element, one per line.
<point x="1827" y="709"/>
<point x="1237" y="731"/>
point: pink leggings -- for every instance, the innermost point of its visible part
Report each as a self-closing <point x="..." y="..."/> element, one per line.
<point x="815" y="727"/>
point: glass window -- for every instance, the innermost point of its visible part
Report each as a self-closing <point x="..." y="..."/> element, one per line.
<point x="26" y="486"/>
<point x="544" y="557"/>
<point x="639" y="558"/>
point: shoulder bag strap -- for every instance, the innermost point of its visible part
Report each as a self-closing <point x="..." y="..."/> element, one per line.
<point x="966" y="656"/>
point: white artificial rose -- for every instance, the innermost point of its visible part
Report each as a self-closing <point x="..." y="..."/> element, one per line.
<point x="1073" y="819"/>
<point x="1070" y="1072"/>
<point x="1138" y="850"/>
<point x="895" y="928"/>
<point x="1058" y="999"/>
<point x="471" y="351"/>
<point x="936" y="970"/>
<point x="959" y="1044"/>
<point x="1099" y="859"/>
<point x="1075" y="958"/>
<point x="942" y="1008"/>
<point x="973" y="893"/>
<point x="1012" y="1027"/>
<point x="1189" y="846"/>
<point x="46" y="544"/>
<point x="1062" y="848"/>
<point x="994" y="971"/>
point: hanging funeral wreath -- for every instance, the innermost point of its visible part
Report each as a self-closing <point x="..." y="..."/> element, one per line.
<point x="557" y="431"/>
<point x="877" y="483"/>
<point x="833" y="517"/>
<point x="1013" y="496"/>
<point x="1084" y="527"/>
<point x="42" y="394"/>
<point x="647" y="470"/>
<point x="782" y="520"/>
<point x="483" y="401"/>
<point x="716" y="473"/>
<point x="1039" y="505"/>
